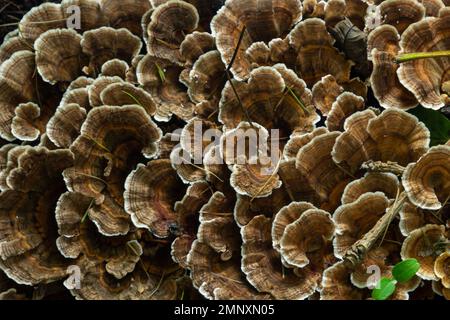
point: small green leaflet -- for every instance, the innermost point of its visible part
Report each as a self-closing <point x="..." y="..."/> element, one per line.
<point x="386" y="289"/>
<point x="405" y="270"/>
<point x="436" y="122"/>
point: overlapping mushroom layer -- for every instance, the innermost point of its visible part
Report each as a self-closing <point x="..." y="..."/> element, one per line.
<point x="234" y="149"/>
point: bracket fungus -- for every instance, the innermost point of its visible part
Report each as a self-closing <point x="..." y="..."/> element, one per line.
<point x="223" y="149"/>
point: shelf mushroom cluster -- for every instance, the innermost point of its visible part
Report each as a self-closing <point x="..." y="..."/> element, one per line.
<point x="94" y="121"/>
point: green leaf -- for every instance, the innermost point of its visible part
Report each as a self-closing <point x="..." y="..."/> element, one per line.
<point x="436" y="122"/>
<point x="405" y="270"/>
<point x="161" y="72"/>
<point x="385" y="290"/>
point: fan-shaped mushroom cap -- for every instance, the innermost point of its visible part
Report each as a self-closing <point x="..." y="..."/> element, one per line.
<point x="27" y="241"/>
<point x="187" y="211"/>
<point x="269" y="102"/>
<point x="10" y="161"/>
<point x="25" y="125"/>
<point x="150" y="195"/>
<point x="424" y="245"/>
<point x="76" y="96"/>
<point x="212" y="276"/>
<point x="298" y="140"/>
<point x="372" y="182"/>
<point x="115" y="68"/>
<point x="287" y="215"/>
<point x="306" y="239"/>
<point x="370" y="137"/>
<point x="382" y="47"/>
<point x="195" y="45"/>
<point x="40" y="19"/>
<point x="170" y="22"/>
<point x="125" y="13"/>
<point x="427" y="181"/>
<point x="207" y="77"/>
<point x="401" y="13"/>
<point x="80" y="83"/>
<point x="413" y="217"/>
<point x="430" y="34"/>
<point x="354" y="220"/>
<point x="123" y="93"/>
<point x="442" y="269"/>
<point x="262" y="264"/>
<point x="160" y="77"/>
<point x="98" y="85"/>
<point x="91" y="14"/>
<point x="263" y="20"/>
<point x="112" y="141"/>
<point x="336" y="284"/>
<point x="106" y="43"/>
<point x="325" y="93"/>
<point x="345" y="105"/>
<point x="432" y="7"/>
<point x="316" y="164"/>
<point x="305" y="39"/>
<point x="257" y="177"/>
<point x="334" y="12"/>
<point x="59" y="56"/>
<point x="11" y="46"/>
<point x="15" y="88"/>
<point x="64" y="127"/>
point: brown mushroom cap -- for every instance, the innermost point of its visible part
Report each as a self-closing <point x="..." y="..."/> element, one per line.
<point x="298" y="140"/>
<point x="97" y="86"/>
<point x="125" y="14"/>
<point x="212" y="276"/>
<point x="91" y="14"/>
<point x="442" y="269"/>
<point x="111" y="143"/>
<point x="106" y="43"/>
<point x="427" y="181"/>
<point x="423" y="244"/>
<point x="11" y="46"/>
<point x="336" y="284"/>
<point x="382" y="47"/>
<point x="370" y="137"/>
<point x="115" y="68"/>
<point x="306" y="239"/>
<point x="432" y="7"/>
<point x="206" y="78"/>
<point x="345" y="105"/>
<point x="325" y="93"/>
<point x="27" y="241"/>
<point x="316" y="164"/>
<point x="123" y="93"/>
<point x="372" y="182"/>
<point x="413" y="217"/>
<point x="40" y="19"/>
<point x="401" y="13"/>
<point x="15" y="88"/>
<point x="305" y="38"/>
<point x="262" y="264"/>
<point x="287" y="215"/>
<point x="169" y="24"/>
<point x="25" y="125"/>
<point x="150" y="195"/>
<point x="160" y="78"/>
<point x="263" y="20"/>
<point x="429" y="34"/>
<point x="10" y="156"/>
<point x="354" y="220"/>
<point x="58" y="55"/>
<point x="65" y="125"/>
<point x="268" y="101"/>
<point x="78" y="96"/>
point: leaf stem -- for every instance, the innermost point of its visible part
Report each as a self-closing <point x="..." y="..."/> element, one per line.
<point x="422" y="55"/>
